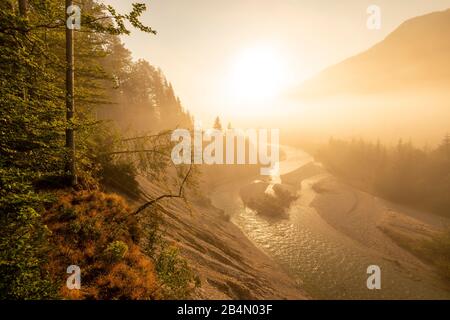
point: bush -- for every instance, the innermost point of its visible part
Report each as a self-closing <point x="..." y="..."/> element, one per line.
<point x="173" y="271"/>
<point x="116" y="251"/>
<point x="120" y="176"/>
<point x="177" y="279"/>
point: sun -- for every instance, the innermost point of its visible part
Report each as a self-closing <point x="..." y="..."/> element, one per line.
<point x="257" y="74"/>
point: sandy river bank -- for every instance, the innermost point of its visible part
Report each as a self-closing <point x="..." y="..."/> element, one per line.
<point x="333" y="233"/>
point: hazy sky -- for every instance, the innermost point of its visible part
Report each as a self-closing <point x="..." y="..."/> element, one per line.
<point x="208" y="49"/>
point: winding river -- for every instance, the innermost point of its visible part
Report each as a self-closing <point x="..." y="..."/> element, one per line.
<point x="324" y="261"/>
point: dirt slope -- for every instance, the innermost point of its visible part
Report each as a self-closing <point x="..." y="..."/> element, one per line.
<point x="229" y="265"/>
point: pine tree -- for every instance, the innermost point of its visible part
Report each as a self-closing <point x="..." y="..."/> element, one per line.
<point x="445" y="146"/>
<point x="217" y="124"/>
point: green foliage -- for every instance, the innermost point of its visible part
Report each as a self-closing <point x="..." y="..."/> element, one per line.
<point x="121" y="175"/>
<point x="120" y="19"/>
<point x="177" y="279"/>
<point x="108" y="86"/>
<point x="116" y="250"/>
<point x="23" y="241"/>
<point x="173" y="271"/>
<point x="32" y="125"/>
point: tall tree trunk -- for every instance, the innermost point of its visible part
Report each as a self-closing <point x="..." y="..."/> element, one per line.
<point x="23" y="8"/>
<point x="70" y="105"/>
<point x="23" y="11"/>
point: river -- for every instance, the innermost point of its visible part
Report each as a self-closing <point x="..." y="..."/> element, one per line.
<point x="324" y="261"/>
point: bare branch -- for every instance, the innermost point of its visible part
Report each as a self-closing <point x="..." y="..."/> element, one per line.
<point x="161" y="134"/>
<point x="164" y="196"/>
<point x="135" y="151"/>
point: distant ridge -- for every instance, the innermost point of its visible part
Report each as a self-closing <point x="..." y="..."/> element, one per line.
<point x="415" y="55"/>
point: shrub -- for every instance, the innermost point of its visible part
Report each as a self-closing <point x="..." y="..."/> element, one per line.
<point x="120" y="176"/>
<point x="173" y="271"/>
<point x="176" y="278"/>
<point x="116" y="251"/>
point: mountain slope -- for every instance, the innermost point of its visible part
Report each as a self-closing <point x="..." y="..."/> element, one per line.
<point x="415" y="55"/>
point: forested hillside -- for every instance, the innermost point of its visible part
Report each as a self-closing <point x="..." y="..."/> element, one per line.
<point x="47" y="223"/>
<point x="138" y="93"/>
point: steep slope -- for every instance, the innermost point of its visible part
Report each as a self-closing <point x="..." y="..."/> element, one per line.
<point x="229" y="265"/>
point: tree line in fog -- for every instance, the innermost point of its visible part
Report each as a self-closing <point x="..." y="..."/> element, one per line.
<point x="402" y="173"/>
